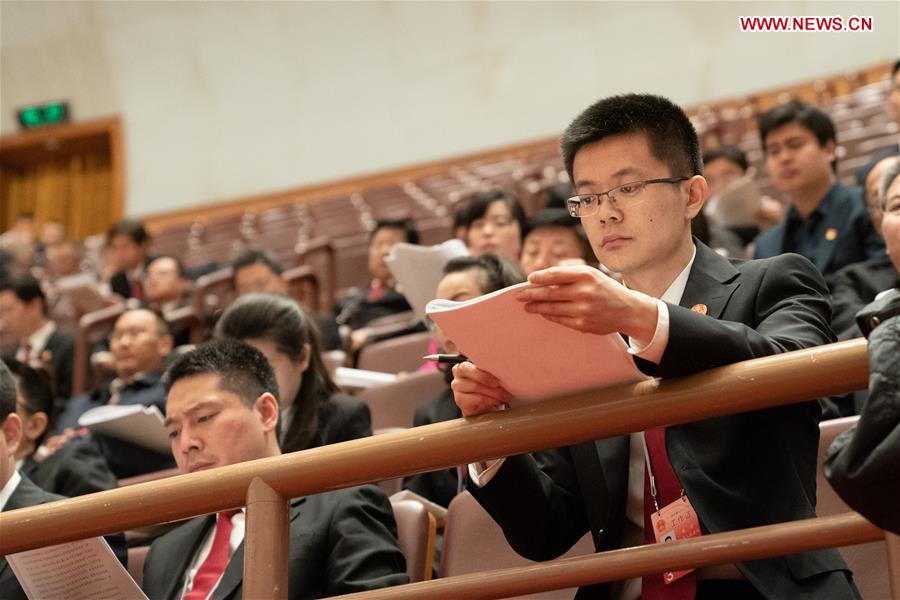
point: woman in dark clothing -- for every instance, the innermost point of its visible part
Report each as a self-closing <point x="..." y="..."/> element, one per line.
<point x="314" y="412"/>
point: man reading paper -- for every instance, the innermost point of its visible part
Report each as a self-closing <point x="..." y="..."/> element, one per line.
<point x="635" y="162"/>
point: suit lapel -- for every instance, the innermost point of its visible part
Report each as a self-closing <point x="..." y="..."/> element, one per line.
<point x="234" y="572"/>
<point x="712" y="281"/>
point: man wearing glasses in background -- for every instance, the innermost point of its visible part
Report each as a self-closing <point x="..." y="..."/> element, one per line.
<point x="635" y="162"/>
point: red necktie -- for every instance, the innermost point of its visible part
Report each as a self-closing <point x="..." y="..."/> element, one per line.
<point x="376" y="293"/>
<point x="26" y="356"/>
<point x="668" y="490"/>
<point x="137" y="291"/>
<point x="213" y="567"/>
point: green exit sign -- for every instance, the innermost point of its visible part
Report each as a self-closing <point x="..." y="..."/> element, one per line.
<point x="41" y="115"/>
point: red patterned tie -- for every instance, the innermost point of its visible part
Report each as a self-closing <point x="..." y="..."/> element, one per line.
<point x="668" y="490"/>
<point x="213" y="567"/>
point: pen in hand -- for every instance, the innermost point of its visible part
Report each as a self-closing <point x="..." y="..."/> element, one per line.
<point x="446" y="359"/>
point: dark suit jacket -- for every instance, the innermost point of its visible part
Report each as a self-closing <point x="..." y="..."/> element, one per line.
<point x="76" y="468"/>
<point x="739" y="471"/>
<point x="856" y="239"/>
<point x="862" y="463"/>
<point x="124" y="458"/>
<point x="438" y="486"/>
<point x="29" y="494"/>
<point x="340" y="542"/>
<point x="59" y="355"/>
<point x="855" y="286"/>
<point x="356" y="310"/>
<point x="120" y="284"/>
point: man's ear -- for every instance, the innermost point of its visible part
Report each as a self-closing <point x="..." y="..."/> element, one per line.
<point x="266" y="408"/>
<point x="829" y="148"/>
<point x="697" y="190"/>
<point x="35" y="426"/>
<point x="166" y="344"/>
<point x="11" y="433"/>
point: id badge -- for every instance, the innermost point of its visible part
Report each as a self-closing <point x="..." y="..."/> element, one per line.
<point x="676" y="521"/>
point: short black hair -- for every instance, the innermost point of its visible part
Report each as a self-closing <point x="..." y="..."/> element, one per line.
<point x="479" y="203"/>
<point x="256" y="256"/>
<point x="179" y="266"/>
<point x="895" y="69"/>
<point x="498" y="272"/>
<point x="7" y="392"/>
<point x="560" y="217"/>
<point x="242" y="369"/>
<point x="35" y="386"/>
<point x="808" y="116"/>
<point x="407" y="225"/>
<point x="670" y="134"/>
<point x="730" y="153"/>
<point x="133" y="228"/>
<point x="26" y="288"/>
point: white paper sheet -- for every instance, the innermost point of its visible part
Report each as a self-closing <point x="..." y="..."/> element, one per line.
<point x="82" y="570"/>
<point x="418" y="269"/>
<point x="135" y="423"/>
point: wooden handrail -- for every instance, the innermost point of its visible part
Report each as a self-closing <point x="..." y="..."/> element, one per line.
<point x="713" y="549"/>
<point x="749" y="385"/>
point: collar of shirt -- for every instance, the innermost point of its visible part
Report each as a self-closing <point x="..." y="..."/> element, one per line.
<point x="821" y="209"/>
<point x="9" y="488"/>
<point x="118" y="384"/>
<point x="675" y="291"/>
<point x="38" y="339"/>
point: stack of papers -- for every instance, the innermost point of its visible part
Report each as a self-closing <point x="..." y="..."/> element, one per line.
<point x="135" y="423"/>
<point x="532" y="357"/>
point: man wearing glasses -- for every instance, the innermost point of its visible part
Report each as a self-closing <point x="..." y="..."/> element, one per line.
<point x="635" y="162"/>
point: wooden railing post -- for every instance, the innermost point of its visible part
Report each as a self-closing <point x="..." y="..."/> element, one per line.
<point x="266" y="540"/>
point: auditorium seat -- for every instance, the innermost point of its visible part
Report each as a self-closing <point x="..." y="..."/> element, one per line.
<point x="136" y="558"/>
<point x="393" y="404"/>
<point x="473" y="542"/>
<point x="403" y="353"/>
<point x="869" y="562"/>
<point x="214" y="292"/>
<point x="303" y="286"/>
<point x="416" y="533"/>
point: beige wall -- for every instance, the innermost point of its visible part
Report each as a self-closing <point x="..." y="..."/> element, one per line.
<point x="223" y="100"/>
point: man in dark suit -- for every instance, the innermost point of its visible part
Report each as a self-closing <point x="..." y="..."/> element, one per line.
<point x="862" y="462"/>
<point x="636" y="165"/>
<point x="139" y="343"/>
<point x="222" y="410"/>
<point x="16" y="490"/>
<point x="75" y="468"/>
<point x="128" y="243"/>
<point x="23" y="312"/>
<point x="826" y="221"/>
<point x="380" y="299"/>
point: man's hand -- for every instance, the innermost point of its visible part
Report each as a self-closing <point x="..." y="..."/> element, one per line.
<point x="476" y="391"/>
<point x="586" y="300"/>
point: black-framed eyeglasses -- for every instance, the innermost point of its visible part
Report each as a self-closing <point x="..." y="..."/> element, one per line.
<point x="627" y="194"/>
